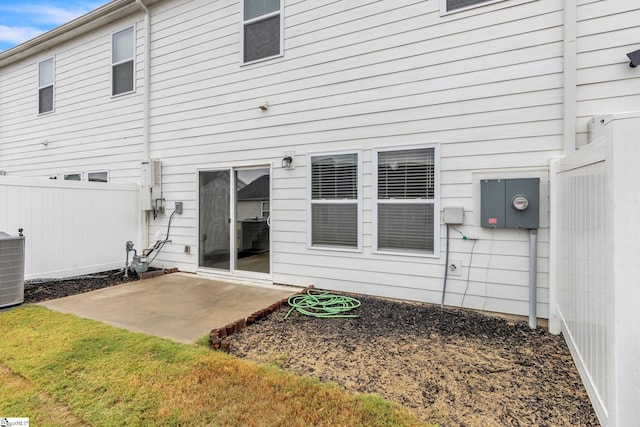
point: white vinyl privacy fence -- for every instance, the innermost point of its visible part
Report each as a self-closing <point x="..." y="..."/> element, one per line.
<point x="596" y="266"/>
<point x="70" y="228"/>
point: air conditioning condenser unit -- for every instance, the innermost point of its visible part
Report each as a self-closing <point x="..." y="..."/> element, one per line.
<point x="11" y="269"/>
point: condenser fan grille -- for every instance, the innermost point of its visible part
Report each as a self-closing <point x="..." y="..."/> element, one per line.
<point x="11" y="270"/>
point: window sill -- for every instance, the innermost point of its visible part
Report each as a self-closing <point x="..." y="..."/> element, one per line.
<point x="123" y="94"/>
<point x="406" y="253"/>
<point x="334" y="249"/>
<point x="444" y="12"/>
<point x="267" y="58"/>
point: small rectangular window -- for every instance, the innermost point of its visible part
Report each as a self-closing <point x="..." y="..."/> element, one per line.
<point x="100" y="176"/>
<point x="335" y="200"/>
<point x="405" y="197"/>
<point x="45" y="86"/>
<point x="453" y="5"/>
<point x="73" y="176"/>
<point x="261" y="29"/>
<point x="97" y="176"/>
<point x="122" y="61"/>
<point x="264" y="209"/>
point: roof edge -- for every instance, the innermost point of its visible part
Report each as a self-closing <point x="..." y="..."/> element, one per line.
<point x="103" y="15"/>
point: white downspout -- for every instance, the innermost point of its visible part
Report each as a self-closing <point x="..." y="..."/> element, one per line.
<point x="570" y="75"/>
<point x="146" y="143"/>
<point x="569" y="145"/>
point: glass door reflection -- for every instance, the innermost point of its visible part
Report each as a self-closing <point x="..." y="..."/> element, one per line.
<point x="252" y="219"/>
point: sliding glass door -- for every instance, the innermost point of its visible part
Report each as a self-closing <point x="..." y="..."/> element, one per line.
<point x="234" y="226"/>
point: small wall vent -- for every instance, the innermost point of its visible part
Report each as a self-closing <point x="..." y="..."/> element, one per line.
<point x="11" y="269"/>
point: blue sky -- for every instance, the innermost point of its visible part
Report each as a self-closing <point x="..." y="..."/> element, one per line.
<point x="21" y="20"/>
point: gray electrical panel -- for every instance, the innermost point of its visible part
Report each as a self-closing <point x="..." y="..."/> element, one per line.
<point x="510" y="203"/>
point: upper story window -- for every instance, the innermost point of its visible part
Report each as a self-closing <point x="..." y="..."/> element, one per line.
<point x="335" y="200"/>
<point x="122" y="61"/>
<point x="45" y="86"/>
<point x="453" y="5"/>
<point x="261" y="29"/>
<point x="406" y="197"/>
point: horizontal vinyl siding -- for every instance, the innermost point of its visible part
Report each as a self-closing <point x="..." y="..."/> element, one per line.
<point x="89" y="130"/>
<point x="485" y="83"/>
<point x="606" y="32"/>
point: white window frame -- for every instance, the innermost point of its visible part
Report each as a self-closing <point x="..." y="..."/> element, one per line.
<point x="132" y="58"/>
<point x="66" y="174"/>
<point x="85" y="176"/>
<point x="444" y="11"/>
<point x="436" y="201"/>
<point x="244" y="23"/>
<point x="52" y="85"/>
<point x="263" y="210"/>
<point x="358" y="202"/>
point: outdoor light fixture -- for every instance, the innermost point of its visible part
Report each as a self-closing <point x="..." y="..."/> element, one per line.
<point x="634" y="57"/>
<point x="287" y="162"/>
<point x="264" y="106"/>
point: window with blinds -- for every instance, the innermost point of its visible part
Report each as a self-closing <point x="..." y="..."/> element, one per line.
<point x="45" y="86"/>
<point x="335" y="199"/>
<point x="261" y="29"/>
<point x="122" y="61"/>
<point x="406" y="197"/>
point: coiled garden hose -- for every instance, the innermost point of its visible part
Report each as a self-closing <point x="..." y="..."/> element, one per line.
<point x="323" y="304"/>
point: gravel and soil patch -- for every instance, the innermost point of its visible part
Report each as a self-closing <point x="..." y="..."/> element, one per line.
<point x="451" y="367"/>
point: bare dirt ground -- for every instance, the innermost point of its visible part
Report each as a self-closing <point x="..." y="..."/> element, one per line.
<point x="450" y="367"/>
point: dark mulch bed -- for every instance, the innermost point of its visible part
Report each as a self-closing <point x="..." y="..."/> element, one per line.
<point x="39" y="290"/>
<point x="452" y="367"/>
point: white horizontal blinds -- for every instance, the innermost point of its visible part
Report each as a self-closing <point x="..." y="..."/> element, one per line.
<point x="45" y="86"/>
<point x="459" y="4"/>
<point x="334" y="200"/>
<point x="255" y="8"/>
<point x="122" y="61"/>
<point x="261" y="29"/>
<point x="406" y="197"/>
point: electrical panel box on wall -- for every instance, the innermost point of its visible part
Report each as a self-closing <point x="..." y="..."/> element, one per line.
<point x="453" y="215"/>
<point x="510" y="203"/>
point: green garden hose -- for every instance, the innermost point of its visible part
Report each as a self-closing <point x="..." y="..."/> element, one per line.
<point x="323" y="304"/>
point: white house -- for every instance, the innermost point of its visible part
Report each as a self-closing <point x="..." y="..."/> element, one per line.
<point x="390" y="112"/>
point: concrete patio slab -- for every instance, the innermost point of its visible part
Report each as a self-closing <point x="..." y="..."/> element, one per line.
<point x="182" y="307"/>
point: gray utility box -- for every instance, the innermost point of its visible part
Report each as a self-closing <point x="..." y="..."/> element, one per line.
<point x="11" y="269"/>
<point x="510" y="203"/>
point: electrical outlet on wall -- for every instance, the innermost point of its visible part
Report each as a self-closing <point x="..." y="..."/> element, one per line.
<point x="454" y="267"/>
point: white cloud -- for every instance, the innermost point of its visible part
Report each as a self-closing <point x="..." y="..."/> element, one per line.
<point x="47" y="14"/>
<point x="55" y="15"/>
<point x="17" y="35"/>
<point x="30" y="18"/>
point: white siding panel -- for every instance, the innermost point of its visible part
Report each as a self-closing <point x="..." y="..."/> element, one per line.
<point x="365" y="74"/>
<point x="486" y="84"/>
<point x="89" y="130"/>
<point x="607" y="31"/>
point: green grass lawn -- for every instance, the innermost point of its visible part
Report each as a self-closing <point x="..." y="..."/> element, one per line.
<point x="58" y="369"/>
